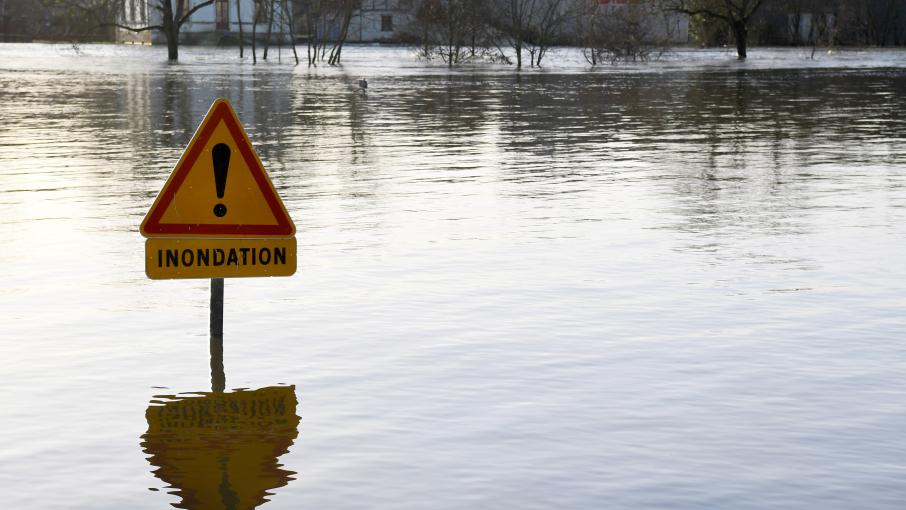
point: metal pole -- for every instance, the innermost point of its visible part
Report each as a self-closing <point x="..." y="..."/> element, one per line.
<point x="218" y="378"/>
<point x="217" y="307"/>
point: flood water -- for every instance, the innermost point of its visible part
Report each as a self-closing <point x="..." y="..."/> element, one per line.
<point x="672" y="285"/>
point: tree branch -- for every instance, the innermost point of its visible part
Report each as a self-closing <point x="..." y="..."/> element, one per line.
<point x="131" y="29"/>
<point x="754" y="9"/>
<point x="702" y="12"/>
<point x="680" y="7"/>
<point x="192" y="11"/>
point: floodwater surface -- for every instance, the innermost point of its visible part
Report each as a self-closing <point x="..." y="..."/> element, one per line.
<point x="667" y="285"/>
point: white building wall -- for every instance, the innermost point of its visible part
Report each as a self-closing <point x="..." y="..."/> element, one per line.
<point x="134" y="14"/>
<point x="368" y="24"/>
<point x="204" y="21"/>
<point x="378" y="20"/>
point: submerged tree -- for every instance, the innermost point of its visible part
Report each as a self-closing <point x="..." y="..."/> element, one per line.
<point x="530" y="25"/>
<point x="451" y="30"/>
<point x="328" y="21"/>
<point x="545" y="26"/>
<point x="239" y="24"/>
<point x="345" y="10"/>
<point x="736" y="14"/>
<point x="76" y="20"/>
<point x="512" y="21"/>
<point x="626" y="32"/>
<point x="171" y="18"/>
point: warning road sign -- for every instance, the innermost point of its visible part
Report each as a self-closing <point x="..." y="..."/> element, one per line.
<point x="219" y="187"/>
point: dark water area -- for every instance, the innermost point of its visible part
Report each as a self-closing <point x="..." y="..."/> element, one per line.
<point x="672" y="285"/>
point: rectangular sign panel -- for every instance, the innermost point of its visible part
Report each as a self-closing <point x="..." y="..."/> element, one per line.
<point x="167" y="258"/>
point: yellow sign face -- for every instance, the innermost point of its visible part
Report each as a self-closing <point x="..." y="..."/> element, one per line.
<point x="167" y="258"/>
<point x="219" y="187"/>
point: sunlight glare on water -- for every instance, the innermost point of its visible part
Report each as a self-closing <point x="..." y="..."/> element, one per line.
<point x="672" y="285"/>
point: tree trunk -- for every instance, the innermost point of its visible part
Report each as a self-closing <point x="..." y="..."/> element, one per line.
<point x="344" y="32"/>
<point x="270" y="29"/>
<point x="170" y="30"/>
<point x="173" y="45"/>
<point x="741" y="33"/>
<point x="291" y="20"/>
<point x="254" y="32"/>
<point x="239" y="22"/>
<point x="518" y="48"/>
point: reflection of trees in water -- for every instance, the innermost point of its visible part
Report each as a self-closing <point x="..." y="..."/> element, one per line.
<point x="456" y="106"/>
<point x="713" y="133"/>
<point x="578" y="125"/>
<point x="732" y="124"/>
<point x="760" y="133"/>
<point x="332" y="123"/>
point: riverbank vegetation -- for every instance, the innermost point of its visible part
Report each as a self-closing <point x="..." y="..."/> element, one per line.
<point x="518" y="32"/>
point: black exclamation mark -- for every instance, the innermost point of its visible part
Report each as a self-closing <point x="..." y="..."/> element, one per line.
<point x="221" y="156"/>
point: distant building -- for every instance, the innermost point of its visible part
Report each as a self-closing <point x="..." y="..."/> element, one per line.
<point x="135" y="14"/>
<point x="380" y="20"/>
<point x="377" y="20"/>
<point x="209" y="25"/>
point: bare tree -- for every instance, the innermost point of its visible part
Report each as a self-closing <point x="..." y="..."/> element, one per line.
<point x="531" y="25"/>
<point x="513" y="22"/>
<point x="345" y="10"/>
<point x="872" y="22"/>
<point x="634" y="32"/>
<point x="328" y="21"/>
<point x="257" y="7"/>
<point x="172" y="18"/>
<point x="290" y="20"/>
<point x="545" y="27"/>
<point x="110" y="14"/>
<point x="270" y="27"/>
<point x="313" y="10"/>
<point x="239" y="23"/>
<point x="848" y="22"/>
<point x="64" y="19"/>
<point x="735" y="13"/>
<point x="451" y="30"/>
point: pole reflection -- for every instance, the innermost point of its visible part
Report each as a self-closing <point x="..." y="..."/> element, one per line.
<point x="221" y="450"/>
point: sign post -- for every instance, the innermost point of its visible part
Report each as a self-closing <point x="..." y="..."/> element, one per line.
<point x="218" y="215"/>
<point x="217" y="307"/>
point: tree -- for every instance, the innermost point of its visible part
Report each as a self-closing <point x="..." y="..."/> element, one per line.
<point x="531" y="25"/>
<point x="735" y="13"/>
<point x="239" y="24"/>
<point x="624" y="32"/>
<point x="326" y="17"/>
<point x="513" y="20"/>
<point x="108" y="14"/>
<point x="270" y="27"/>
<point x="872" y="22"/>
<point x="345" y="10"/>
<point x="71" y="19"/>
<point x="544" y="28"/>
<point x="452" y="30"/>
<point x="290" y="19"/>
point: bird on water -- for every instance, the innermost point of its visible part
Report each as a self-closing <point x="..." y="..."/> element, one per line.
<point x="363" y="84"/>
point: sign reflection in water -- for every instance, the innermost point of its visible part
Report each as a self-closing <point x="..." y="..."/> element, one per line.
<point x="220" y="450"/>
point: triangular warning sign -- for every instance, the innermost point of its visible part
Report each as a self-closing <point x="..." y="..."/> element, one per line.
<point x="219" y="187"/>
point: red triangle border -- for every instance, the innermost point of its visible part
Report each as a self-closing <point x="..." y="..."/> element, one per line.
<point x="220" y="111"/>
